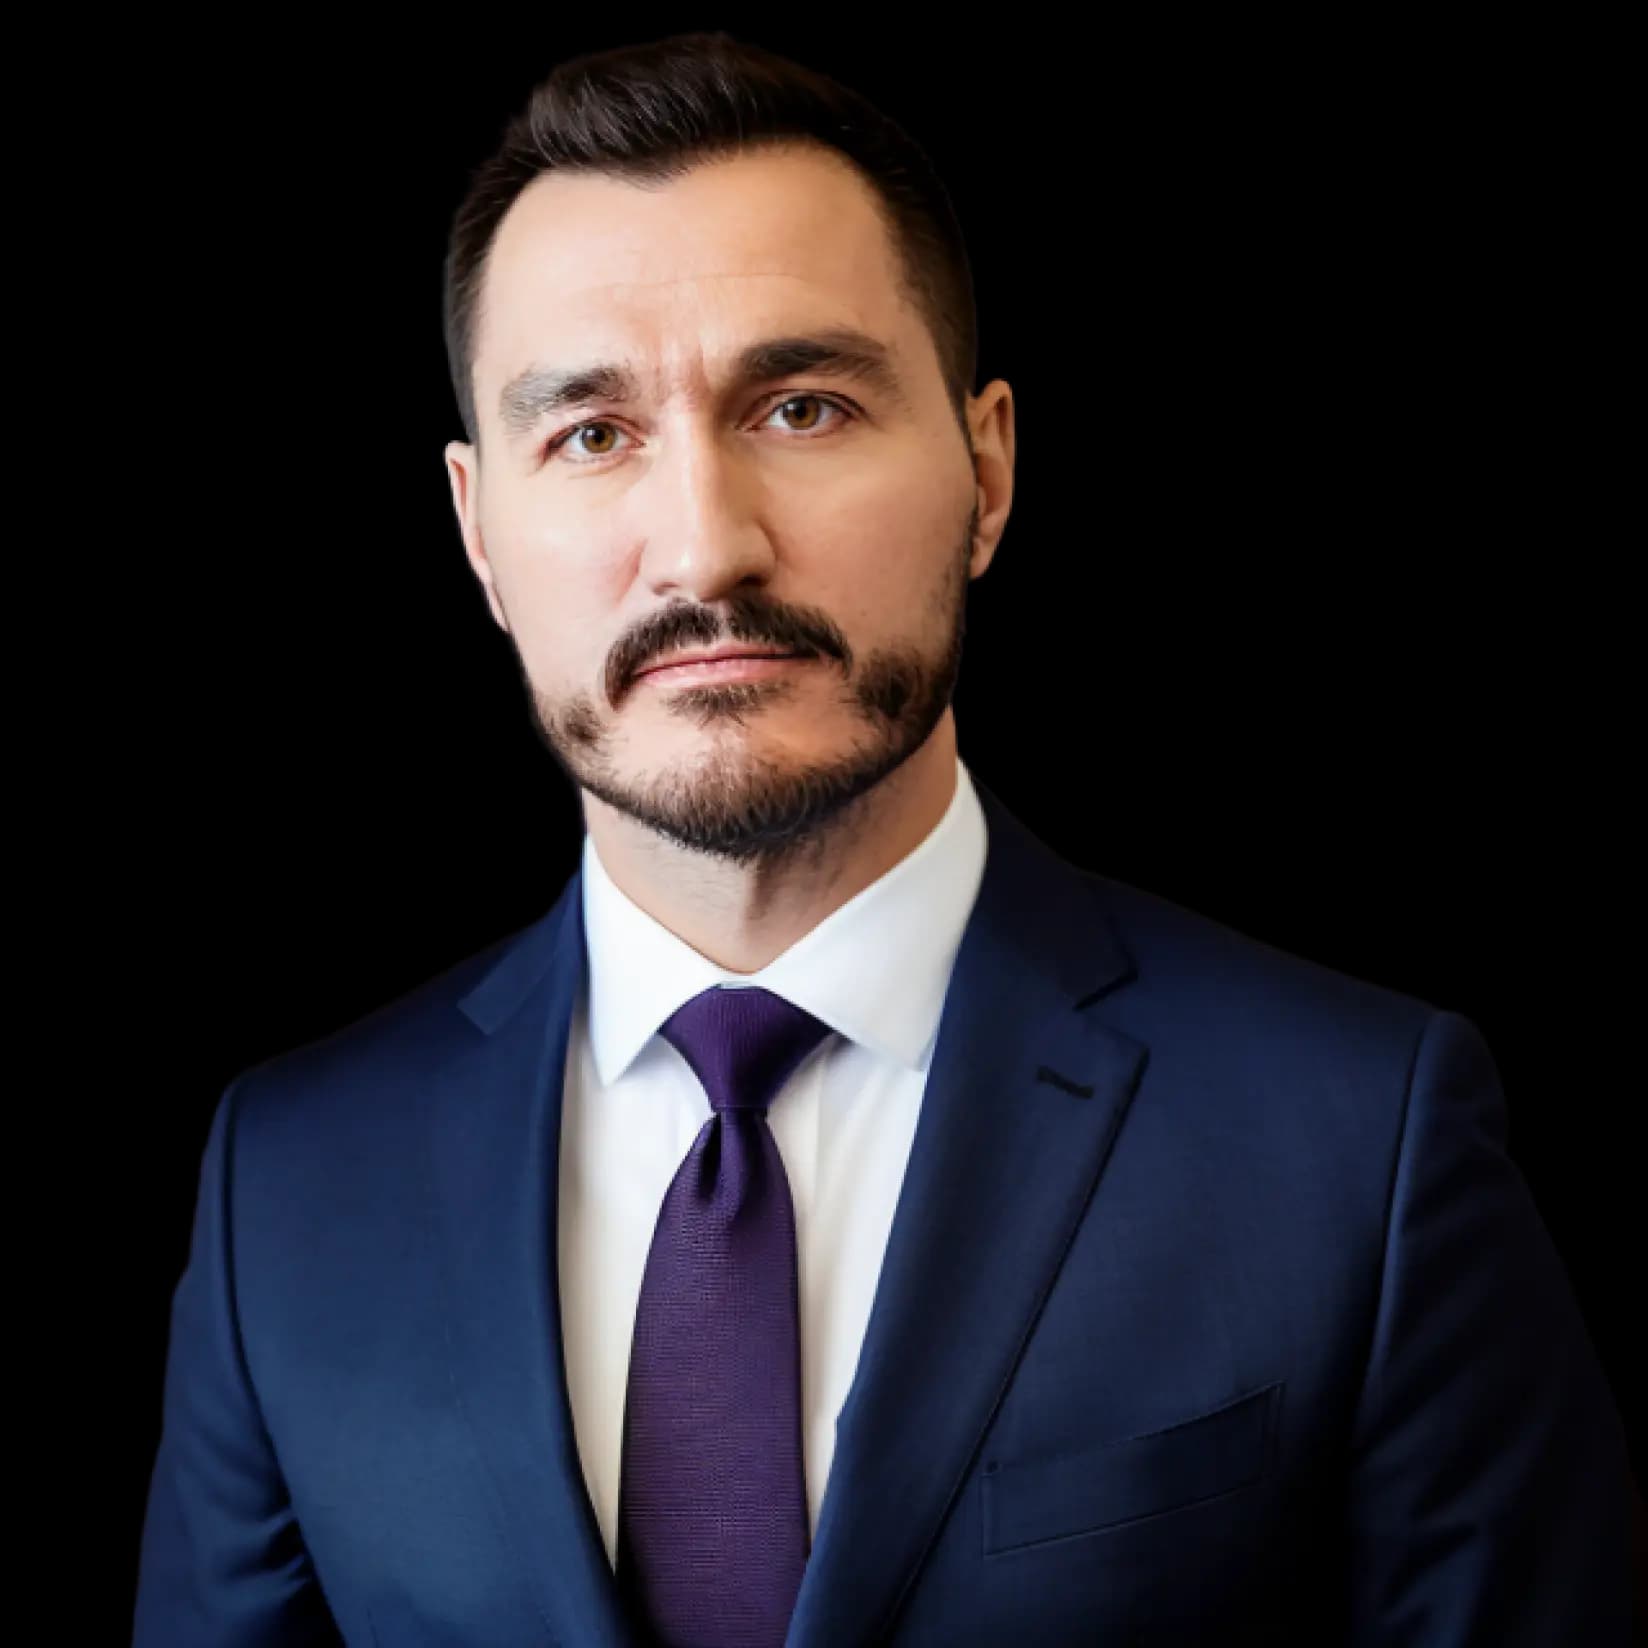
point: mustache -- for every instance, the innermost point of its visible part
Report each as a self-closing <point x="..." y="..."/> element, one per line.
<point x="742" y="618"/>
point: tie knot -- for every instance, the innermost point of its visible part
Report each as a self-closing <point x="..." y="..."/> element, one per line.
<point x="742" y="1043"/>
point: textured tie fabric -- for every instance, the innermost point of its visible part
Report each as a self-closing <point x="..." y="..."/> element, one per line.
<point x="712" y="1506"/>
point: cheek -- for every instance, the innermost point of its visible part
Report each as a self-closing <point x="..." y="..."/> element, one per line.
<point x="559" y="628"/>
<point x="885" y="579"/>
<point x="560" y="600"/>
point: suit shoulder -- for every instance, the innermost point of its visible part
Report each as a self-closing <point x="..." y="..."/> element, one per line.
<point x="412" y="1031"/>
<point x="1243" y="990"/>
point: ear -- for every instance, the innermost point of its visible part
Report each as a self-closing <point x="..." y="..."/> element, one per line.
<point x="463" y="468"/>
<point x="990" y="416"/>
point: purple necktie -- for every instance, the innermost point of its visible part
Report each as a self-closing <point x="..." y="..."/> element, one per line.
<point x="712" y="1507"/>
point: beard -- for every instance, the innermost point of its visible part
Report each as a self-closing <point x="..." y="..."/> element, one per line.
<point x="733" y="802"/>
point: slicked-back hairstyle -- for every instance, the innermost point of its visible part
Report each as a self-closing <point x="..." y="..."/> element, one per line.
<point x="649" y="113"/>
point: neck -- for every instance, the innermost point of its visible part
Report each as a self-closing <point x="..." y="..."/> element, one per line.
<point x="742" y="916"/>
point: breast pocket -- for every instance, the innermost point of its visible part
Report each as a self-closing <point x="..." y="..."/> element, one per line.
<point x="1027" y="1501"/>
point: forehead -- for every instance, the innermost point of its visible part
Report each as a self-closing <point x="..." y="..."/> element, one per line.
<point x="586" y="264"/>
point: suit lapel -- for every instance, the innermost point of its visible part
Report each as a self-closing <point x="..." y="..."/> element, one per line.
<point x="495" y="1118"/>
<point x="1025" y="1095"/>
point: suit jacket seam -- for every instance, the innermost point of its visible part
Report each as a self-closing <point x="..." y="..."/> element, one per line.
<point x="1399" y="1157"/>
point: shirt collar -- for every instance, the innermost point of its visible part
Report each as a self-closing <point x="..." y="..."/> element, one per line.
<point x="876" y="970"/>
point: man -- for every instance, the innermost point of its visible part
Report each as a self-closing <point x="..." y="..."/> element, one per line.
<point x="839" y="1219"/>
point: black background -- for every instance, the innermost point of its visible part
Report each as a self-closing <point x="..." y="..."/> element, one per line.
<point x="1309" y="614"/>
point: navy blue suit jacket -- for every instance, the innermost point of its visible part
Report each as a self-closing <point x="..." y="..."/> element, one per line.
<point x="1213" y="1312"/>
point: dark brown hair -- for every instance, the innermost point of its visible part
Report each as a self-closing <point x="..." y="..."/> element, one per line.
<point x="648" y="113"/>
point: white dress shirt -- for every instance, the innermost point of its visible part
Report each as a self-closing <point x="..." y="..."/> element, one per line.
<point x="876" y="971"/>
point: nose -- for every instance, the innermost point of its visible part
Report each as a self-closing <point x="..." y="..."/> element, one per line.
<point x="704" y="534"/>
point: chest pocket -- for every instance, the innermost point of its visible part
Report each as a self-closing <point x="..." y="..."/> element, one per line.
<point x="1027" y="1501"/>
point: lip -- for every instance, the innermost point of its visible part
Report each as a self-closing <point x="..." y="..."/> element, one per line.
<point x="723" y="666"/>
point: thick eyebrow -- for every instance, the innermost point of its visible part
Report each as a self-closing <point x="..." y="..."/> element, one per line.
<point x="838" y="352"/>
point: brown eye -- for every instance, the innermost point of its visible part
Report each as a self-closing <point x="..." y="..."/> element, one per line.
<point x="802" y="400"/>
<point x="595" y="429"/>
<point x="818" y="401"/>
<point x="580" y="433"/>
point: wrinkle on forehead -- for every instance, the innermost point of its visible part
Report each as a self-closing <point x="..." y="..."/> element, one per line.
<point x="589" y="266"/>
<point x="680" y="280"/>
<point x="696" y="323"/>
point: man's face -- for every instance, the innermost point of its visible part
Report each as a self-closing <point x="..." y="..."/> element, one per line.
<point x="833" y="517"/>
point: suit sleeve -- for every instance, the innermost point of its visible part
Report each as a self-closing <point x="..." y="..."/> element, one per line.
<point x="1491" y="1499"/>
<point x="221" y="1562"/>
